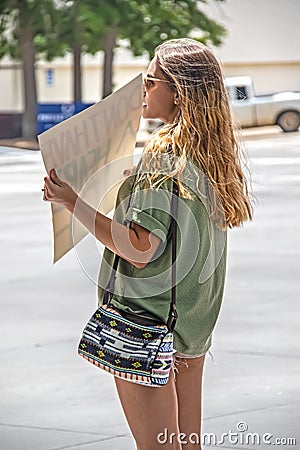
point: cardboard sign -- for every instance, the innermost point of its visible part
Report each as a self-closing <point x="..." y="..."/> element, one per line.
<point x="90" y="142"/>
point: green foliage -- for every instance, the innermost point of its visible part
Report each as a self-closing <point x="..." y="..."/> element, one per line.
<point x="16" y="16"/>
<point x="147" y="24"/>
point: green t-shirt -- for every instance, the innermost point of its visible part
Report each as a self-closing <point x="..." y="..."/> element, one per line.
<point x="200" y="265"/>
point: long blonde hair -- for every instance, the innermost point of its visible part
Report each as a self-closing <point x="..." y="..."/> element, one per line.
<point x="203" y="131"/>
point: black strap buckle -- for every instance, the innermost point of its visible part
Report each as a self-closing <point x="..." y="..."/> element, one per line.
<point x="172" y="319"/>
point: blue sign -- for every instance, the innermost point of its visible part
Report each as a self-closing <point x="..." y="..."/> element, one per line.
<point x="49" y="77"/>
<point x="50" y="114"/>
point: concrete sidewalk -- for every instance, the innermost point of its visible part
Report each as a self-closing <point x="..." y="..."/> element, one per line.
<point x="50" y="399"/>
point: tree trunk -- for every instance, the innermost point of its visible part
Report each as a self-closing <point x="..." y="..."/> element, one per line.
<point x="29" y="119"/>
<point x="77" y="91"/>
<point x="109" y="46"/>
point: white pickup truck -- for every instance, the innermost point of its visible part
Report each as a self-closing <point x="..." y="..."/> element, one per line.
<point x="249" y="110"/>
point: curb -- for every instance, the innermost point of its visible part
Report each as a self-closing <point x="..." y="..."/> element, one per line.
<point x="20" y="143"/>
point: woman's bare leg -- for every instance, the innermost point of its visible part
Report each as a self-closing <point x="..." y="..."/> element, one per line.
<point x="189" y="395"/>
<point x="151" y="413"/>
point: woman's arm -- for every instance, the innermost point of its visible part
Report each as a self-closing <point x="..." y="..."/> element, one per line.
<point x="135" y="244"/>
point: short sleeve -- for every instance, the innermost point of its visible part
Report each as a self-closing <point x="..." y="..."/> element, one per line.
<point x="150" y="208"/>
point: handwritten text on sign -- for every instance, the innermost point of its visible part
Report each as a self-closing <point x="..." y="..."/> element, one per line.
<point x="81" y="145"/>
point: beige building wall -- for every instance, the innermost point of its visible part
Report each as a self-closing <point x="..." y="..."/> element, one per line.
<point x="262" y="41"/>
<point x="10" y="87"/>
<point x="268" y="78"/>
<point x="60" y="91"/>
<point x="125" y="68"/>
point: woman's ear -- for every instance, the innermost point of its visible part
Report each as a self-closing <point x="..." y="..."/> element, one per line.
<point x="176" y="99"/>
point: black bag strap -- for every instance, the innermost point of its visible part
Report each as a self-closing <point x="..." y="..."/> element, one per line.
<point x="173" y="315"/>
<point x="109" y="290"/>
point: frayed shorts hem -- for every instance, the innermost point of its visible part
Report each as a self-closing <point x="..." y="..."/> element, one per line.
<point x="177" y="354"/>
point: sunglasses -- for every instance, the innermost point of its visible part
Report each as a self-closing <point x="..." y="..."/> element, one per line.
<point x="149" y="82"/>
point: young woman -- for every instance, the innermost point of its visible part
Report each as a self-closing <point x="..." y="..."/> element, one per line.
<point x="195" y="148"/>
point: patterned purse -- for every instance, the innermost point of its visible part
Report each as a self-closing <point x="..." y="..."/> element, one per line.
<point x="128" y="345"/>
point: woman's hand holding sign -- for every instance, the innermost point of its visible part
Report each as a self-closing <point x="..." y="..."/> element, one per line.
<point x="56" y="190"/>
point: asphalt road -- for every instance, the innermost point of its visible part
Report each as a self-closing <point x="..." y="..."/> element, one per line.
<point x="52" y="400"/>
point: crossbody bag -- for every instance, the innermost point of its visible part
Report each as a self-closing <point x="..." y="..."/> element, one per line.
<point x="128" y="345"/>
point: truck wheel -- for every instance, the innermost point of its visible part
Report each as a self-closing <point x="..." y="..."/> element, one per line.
<point x="289" y="121"/>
